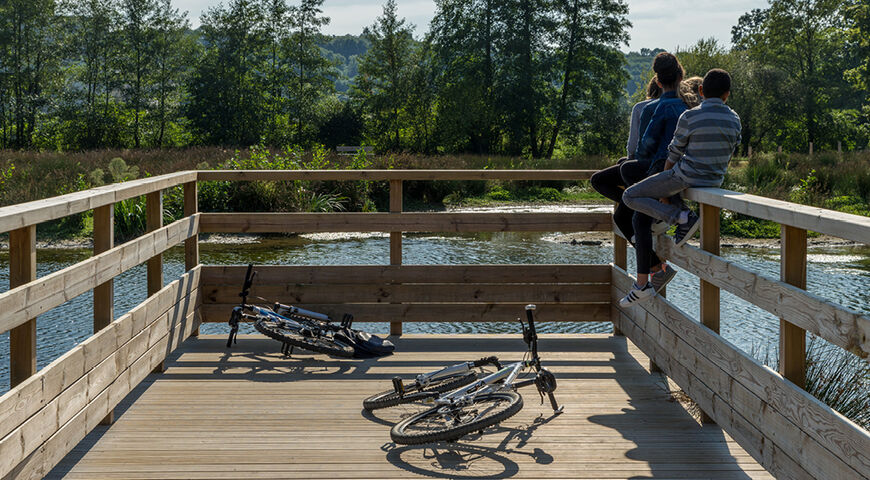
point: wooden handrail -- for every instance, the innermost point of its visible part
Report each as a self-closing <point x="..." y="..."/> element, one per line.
<point x="829" y="222"/>
<point x="36" y="297"/>
<point x="377" y="175"/>
<point x="31" y="213"/>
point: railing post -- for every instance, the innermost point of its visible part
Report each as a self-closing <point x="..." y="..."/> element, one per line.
<point x="22" y="270"/>
<point x="153" y="221"/>
<point x="104" y="294"/>
<point x="709" y="292"/>
<point x="793" y="339"/>
<point x="191" y="245"/>
<point x="395" y="240"/>
<point x="620" y="259"/>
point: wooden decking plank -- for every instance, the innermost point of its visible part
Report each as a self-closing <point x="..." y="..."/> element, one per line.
<point x="248" y="412"/>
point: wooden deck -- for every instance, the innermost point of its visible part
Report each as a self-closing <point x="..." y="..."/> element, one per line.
<point x="249" y="413"/>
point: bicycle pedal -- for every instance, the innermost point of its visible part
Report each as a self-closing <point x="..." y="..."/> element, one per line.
<point x="398" y="386"/>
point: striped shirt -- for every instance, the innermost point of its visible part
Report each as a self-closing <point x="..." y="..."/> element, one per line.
<point x="704" y="140"/>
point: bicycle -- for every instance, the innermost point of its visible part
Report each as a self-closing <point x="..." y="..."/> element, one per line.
<point x="480" y="403"/>
<point x="292" y="326"/>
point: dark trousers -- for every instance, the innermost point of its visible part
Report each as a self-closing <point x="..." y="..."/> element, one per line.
<point x="612" y="182"/>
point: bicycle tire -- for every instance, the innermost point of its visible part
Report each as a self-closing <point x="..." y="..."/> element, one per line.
<point x="433" y="426"/>
<point x="389" y="398"/>
<point x="319" y="344"/>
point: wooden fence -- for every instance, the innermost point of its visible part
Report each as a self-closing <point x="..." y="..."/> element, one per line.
<point x="792" y="434"/>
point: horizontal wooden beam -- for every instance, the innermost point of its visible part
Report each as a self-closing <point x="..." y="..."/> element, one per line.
<point x="233" y="275"/>
<point x="36" y="409"/>
<point x="420" y="293"/>
<point x="403" y="222"/>
<point x="439" y="312"/>
<point x="834" y="323"/>
<point x="830" y="222"/>
<point x="284" y="175"/>
<point x="837" y="434"/>
<point x="32" y="213"/>
<point x="750" y="436"/>
<point x="50" y="291"/>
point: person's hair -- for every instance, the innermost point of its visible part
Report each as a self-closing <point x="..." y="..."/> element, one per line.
<point x="717" y="83"/>
<point x="653" y="90"/>
<point x="668" y="70"/>
<point x="689" y="91"/>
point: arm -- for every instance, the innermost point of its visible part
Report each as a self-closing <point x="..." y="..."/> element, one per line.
<point x="649" y="142"/>
<point x="633" y="130"/>
<point x="677" y="147"/>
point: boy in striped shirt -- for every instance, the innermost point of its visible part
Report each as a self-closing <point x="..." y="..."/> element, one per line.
<point x="698" y="156"/>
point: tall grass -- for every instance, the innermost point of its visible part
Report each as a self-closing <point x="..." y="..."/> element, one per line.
<point x="836" y="377"/>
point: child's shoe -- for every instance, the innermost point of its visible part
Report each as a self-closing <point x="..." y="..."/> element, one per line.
<point x="637" y="295"/>
<point x="686" y="230"/>
<point x="662" y="277"/>
<point x="659" y="227"/>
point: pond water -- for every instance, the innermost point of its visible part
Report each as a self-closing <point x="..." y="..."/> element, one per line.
<point x="839" y="274"/>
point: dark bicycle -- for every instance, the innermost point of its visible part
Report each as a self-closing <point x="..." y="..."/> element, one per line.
<point x="297" y="327"/>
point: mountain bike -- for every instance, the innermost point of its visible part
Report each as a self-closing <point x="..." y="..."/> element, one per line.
<point x="292" y="326"/>
<point x="480" y="403"/>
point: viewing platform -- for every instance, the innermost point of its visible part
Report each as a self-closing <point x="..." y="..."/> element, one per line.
<point x="147" y="396"/>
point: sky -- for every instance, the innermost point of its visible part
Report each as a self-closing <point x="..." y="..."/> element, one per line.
<point x="680" y="24"/>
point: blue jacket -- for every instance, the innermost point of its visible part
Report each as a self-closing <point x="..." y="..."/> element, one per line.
<point x="658" y="122"/>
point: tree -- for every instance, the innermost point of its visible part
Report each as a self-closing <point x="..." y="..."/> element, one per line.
<point x="137" y="57"/>
<point x="859" y="35"/>
<point x="381" y="86"/>
<point x="172" y="49"/>
<point x="311" y="74"/>
<point x="29" y="39"/>
<point x="590" y="66"/>
<point x="94" y="74"/>
<point x="803" y="38"/>
<point x="226" y="88"/>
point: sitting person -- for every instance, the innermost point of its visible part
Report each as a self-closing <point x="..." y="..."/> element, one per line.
<point x="698" y="156"/>
<point x="609" y="182"/>
<point x="690" y="91"/>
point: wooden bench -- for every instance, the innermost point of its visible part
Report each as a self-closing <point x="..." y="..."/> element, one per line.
<point x="351" y="150"/>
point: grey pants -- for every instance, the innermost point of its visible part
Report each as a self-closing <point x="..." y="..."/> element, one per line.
<point x="644" y="196"/>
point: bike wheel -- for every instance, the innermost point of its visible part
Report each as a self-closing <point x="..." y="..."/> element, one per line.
<point x="316" y="343"/>
<point x="390" y="398"/>
<point x="445" y="424"/>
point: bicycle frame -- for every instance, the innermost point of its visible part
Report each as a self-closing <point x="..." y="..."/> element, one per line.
<point x="503" y="379"/>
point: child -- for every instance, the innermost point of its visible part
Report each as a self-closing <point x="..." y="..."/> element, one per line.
<point x="658" y="122"/>
<point x="704" y="140"/>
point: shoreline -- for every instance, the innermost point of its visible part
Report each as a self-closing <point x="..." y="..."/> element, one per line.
<point x="604" y="239"/>
<point x="574" y="238"/>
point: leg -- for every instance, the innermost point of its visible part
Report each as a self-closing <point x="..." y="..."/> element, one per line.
<point x="608" y="182"/>
<point x="644" y="196"/>
<point x="643" y="246"/>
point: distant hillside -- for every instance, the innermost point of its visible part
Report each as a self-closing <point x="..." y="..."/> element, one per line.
<point x="639" y="64"/>
<point x="346" y="50"/>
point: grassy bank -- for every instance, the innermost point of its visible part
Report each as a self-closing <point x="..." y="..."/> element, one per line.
<point x="839" y="182"/>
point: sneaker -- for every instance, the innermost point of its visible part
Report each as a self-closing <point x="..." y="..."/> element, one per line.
<point x="637" y="295"/>
<point x="686" y="230"/>
<point x="662" y="278"/>
<point x="659" y="227"/>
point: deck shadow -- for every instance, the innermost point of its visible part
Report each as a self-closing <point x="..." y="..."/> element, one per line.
<point x="702" y="443"/>
<point x="466" y="460"/>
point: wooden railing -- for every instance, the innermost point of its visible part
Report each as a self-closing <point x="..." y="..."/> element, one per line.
<point x="788" y="431"/>
<point x="792" y="434"/>
<point x="420" y="293"/>
<point x="46" y="413"/>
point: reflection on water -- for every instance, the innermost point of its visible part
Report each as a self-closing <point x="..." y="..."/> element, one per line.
<point x="836" y="274"/>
